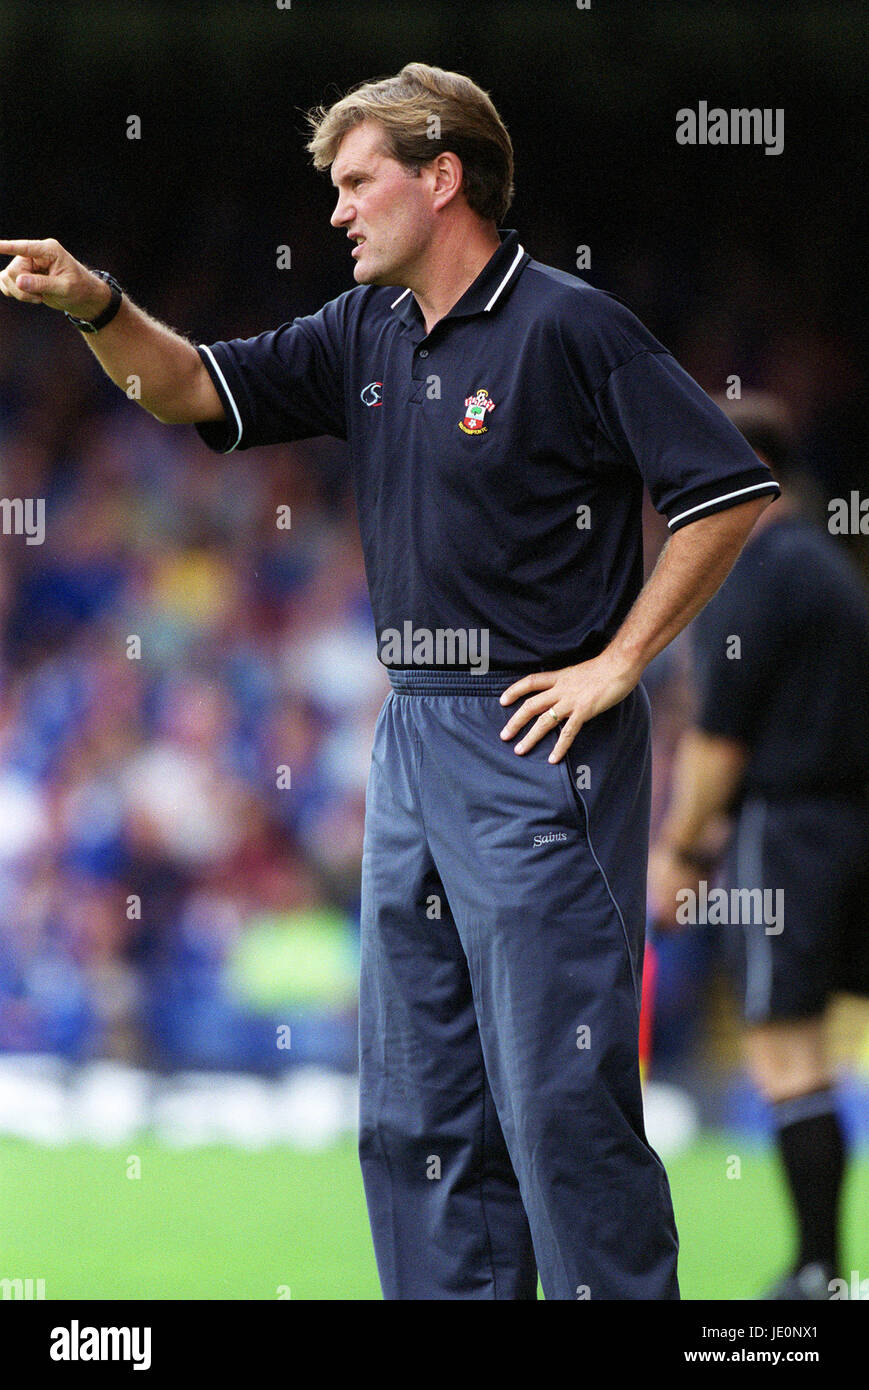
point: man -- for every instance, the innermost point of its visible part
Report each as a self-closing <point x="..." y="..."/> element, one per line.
<point x="501" y="418"/>
<point x="781" y="740"/>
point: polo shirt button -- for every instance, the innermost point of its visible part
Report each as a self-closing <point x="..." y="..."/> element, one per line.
<point x="423" y="352"/>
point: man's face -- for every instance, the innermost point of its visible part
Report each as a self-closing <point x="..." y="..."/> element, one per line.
<point x="383" y="206"/>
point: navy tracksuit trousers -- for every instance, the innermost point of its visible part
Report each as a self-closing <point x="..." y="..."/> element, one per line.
<point x="503" y="912"/>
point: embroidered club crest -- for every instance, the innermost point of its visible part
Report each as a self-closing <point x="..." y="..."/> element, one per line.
<point x="477" y="408"/>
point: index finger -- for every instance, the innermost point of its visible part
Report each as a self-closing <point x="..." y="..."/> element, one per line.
<point x="537" y="680"/>
<point x="22" y="248"/>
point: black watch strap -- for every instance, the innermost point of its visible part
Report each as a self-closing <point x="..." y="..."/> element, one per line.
<point x="114" y="304"/>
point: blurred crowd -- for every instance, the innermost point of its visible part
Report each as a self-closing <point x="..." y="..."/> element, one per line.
<point x="188" y="697"/>
<point x="188" y="692"/>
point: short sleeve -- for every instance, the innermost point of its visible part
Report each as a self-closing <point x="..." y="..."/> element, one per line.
<point x="692" y="459"/>
<point x="282" y="385"/>
<point x="736" y="641"/>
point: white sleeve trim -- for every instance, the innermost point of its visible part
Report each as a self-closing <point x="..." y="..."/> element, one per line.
<point x="724" y="497"/>
<point x="229" y="394"/>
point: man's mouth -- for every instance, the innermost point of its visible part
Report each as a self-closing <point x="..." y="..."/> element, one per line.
<point x="359" y="242"/>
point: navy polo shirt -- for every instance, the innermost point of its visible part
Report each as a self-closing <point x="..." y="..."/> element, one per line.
<point x="499" y="460"/>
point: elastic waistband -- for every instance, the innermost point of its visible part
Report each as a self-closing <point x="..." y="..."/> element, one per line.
<point x="417" y="681"/>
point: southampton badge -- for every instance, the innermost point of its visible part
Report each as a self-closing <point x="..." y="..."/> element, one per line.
<point x="476" y="409"/>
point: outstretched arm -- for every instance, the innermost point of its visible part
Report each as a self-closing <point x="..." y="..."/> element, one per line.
<point x="173" y="385"/>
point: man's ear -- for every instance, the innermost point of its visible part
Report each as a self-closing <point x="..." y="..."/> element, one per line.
<point x="447" y="174"/>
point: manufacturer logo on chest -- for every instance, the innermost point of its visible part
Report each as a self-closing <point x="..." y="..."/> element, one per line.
<point x="477" y="407"/>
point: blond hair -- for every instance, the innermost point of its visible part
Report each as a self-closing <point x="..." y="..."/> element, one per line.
<point x="425" y="111"/>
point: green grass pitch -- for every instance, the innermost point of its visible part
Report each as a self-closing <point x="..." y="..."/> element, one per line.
<point x="224" y="1224"/>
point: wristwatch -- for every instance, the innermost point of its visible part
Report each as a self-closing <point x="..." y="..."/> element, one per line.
<point x="114" y="304"/>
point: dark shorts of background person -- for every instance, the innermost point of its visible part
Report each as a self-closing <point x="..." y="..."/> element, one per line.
<point x="815" y="850"/>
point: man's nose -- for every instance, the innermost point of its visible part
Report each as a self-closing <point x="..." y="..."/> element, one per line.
<point x="342" y="215"/>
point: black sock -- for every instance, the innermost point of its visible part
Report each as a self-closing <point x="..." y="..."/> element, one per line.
<point x="812" y="1148"/>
